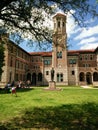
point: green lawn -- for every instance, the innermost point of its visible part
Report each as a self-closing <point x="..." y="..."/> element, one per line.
<point x="72" y="108"/>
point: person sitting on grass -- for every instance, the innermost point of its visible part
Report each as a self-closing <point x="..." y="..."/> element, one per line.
<point x="13" y="91"/>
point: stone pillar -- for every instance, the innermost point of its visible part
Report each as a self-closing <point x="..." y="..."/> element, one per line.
<point x="52" y="85"/>
<point x="85" y="79"/>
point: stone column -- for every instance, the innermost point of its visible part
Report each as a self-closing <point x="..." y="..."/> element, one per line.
<point x="52" y="85"/>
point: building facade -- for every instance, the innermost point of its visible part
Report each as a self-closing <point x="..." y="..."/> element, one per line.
<point x="77" y="67"/>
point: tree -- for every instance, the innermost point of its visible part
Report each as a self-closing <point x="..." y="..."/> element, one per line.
<point x="29" y="17"/>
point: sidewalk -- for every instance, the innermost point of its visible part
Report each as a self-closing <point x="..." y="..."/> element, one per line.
<point x="86" y="86"/>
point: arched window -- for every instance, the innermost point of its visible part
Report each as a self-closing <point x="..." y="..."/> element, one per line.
<point x="88" y="78"/>
<point x="81" y="76"/>
<point x="40" y="77"/>
<point x="28" y="76"/>
<point x="58" y="24"/>
<point x="59" y="54"/>
<point x="63" y="24"/>
<point x="95" y="76"/>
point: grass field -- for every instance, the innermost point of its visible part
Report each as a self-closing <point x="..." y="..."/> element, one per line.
<point x="72" y="108"/>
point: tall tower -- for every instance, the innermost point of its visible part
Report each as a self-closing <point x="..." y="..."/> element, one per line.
<point x="59" y="52"/>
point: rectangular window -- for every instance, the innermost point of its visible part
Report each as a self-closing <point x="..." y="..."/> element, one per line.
<point x="47" y="72"/>
<point x="47" y="62"/>
<point x="72" y="61"/>
<point x="86" y="57"/>
<point x="73" y="72"/>
<point x="91" y="57"/>
<point x="80" y="57"/>
<point x="59" y="77"/>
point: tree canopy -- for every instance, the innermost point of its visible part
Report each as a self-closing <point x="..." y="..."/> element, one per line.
<point x="30" y="17"/>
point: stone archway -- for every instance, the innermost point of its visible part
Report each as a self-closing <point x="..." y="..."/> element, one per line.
<point x="33" y="79"/>
<point x="40" y="77"/>
<point x="88" y="78"/>
<point x="82" y="76"/>
<point x="29" y="76"/>
<point x="95" y="76"/>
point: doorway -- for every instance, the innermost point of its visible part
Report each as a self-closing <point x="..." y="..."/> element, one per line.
<point x="34" y="79"/>
<point x="88" y="78"/>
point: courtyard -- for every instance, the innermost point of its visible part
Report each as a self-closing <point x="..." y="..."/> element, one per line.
<point x="35" y="108"/>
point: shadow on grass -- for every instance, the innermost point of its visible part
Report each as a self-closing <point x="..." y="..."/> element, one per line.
<point x="65" y="117"/>
<point x="3" y="91"/>
<point x="24" y="89"/>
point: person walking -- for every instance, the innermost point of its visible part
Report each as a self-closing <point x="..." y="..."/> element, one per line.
<point x="13" y="91"/>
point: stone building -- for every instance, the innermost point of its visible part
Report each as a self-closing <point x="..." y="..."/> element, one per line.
<point x="72" y="67"/>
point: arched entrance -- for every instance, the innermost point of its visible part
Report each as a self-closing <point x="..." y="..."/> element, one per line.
<point x="29" y="76"/>
<point x="34" y="79"/>
<point x="95" y="76"/>
<point x="82" y="76"/>
<point x="40" y="77"/>
<point x="88" y="78"/>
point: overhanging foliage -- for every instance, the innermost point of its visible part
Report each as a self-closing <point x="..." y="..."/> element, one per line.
<point x="30" y="17"/>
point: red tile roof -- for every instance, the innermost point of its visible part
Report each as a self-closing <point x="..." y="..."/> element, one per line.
<point x="81" y="51"/>
<point x="70" y="52"/>
<point x="59" y="14"/>
<point x="77" y="52"/>
<point x="41" y="53"/>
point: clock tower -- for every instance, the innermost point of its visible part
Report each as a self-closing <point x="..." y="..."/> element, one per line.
<point x="59" y="52"/>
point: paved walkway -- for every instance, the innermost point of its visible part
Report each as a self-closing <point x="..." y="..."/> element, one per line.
<point x="86" y="86"/>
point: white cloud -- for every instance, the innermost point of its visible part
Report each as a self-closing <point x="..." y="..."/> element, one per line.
<point x="87" y="32"/>
<point x="89" y="46"/>
<point x="87" y="40"/>
<point x="70" y="25"/>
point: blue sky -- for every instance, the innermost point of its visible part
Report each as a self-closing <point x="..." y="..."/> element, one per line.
<point x="78" y="37"/>
<point x="85" y="37"/>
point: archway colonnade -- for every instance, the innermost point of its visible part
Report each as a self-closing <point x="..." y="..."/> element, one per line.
<point x="88" y="77"/>
<point x="34" y="78"/>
